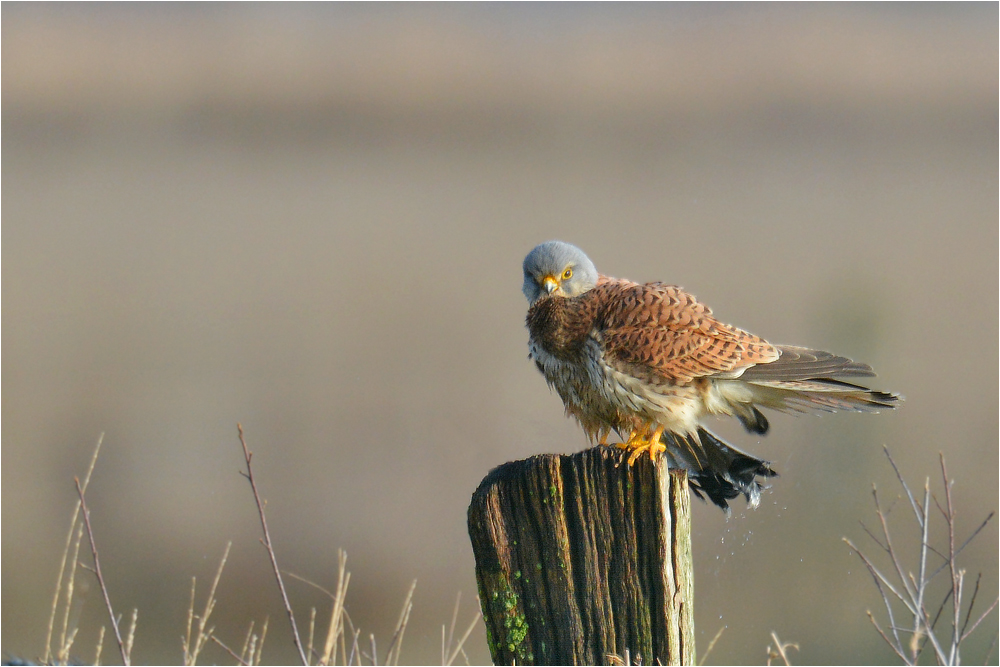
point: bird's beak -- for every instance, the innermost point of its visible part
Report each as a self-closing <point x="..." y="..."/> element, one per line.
<point x="550" y="284"/>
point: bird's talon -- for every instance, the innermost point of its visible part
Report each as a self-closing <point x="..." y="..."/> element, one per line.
<point x="656" y="448"/>
<point x="636" y="453"/>
<point x="640" y="442"/>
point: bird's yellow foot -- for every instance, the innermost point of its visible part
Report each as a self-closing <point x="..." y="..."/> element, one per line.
<point x="642" y="441"/>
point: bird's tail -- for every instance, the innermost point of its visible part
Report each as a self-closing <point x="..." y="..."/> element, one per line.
<point x="715" y="468"/>
<point x="802" y="380"/>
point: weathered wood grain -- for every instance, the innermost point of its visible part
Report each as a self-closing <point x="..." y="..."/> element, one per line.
<point x="582" y="558"/>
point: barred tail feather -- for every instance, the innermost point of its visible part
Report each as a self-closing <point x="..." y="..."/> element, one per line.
<point x="823" y="394"/>
<point x="717" y="469"/>
<point x="803" y="380"/>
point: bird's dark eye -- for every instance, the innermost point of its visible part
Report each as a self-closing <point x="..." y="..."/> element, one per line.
<point x="568" y="273"/>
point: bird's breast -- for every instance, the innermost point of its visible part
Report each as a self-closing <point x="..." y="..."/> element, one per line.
<point x="560" y="327"/>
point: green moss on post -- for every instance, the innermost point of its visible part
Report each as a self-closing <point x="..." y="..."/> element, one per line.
<point x="582" y="558"/>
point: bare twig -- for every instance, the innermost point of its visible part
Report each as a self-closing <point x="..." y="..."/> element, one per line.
<point x="902" y="482"/>
<point x="898" y="650"/>
<point x="972" y="603"/>
<point x="62" y="564"/>
<point x="912" y="589"/>
<point x="986" y="521"/>
<point x="97" y="571"/>
<point x="228" y="650"/>
<point x="989" y="649"/>
<point x="270" y="548"/>
<point x="882" y="583"/>
<point x="956" y="576"/>
<point x="993" y="605"/>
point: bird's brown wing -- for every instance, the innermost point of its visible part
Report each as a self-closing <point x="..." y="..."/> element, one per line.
<point x="661" y="333"/>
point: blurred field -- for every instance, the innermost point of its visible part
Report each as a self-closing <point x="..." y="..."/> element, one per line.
<point x="311" y="219"/>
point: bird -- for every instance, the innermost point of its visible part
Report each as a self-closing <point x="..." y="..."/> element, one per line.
<point x="650" y="363"/>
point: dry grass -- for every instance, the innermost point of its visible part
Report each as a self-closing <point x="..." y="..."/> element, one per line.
<point x="779" y="650"/>
<point x="904" y="594"/>
<point x="341" y="644"/>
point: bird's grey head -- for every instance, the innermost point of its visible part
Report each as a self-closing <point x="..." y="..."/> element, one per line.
<point x="557" y="268"/>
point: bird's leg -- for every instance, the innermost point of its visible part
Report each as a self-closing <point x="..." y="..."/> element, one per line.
<point x="634" y="435"/>
<point x="651" y="443"/>
<point x="641" y="440"/>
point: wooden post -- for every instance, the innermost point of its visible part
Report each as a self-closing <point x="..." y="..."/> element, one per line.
<point x="583" y="560"/>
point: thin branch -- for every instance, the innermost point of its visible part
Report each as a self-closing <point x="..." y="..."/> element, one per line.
<point x="892" y="553"/>
<point x="872" y="536"/>
<point x="924" y="522"/>
<point x="959" y="550"/>
<point x="902" y="482"/>
<point x="228" y="650"/>
<point x="972" y="604"/>
<point x="979" y="620"/>
<point x="97" y="571"/>
<point x="880" y="580"/>
<point x="897" y="649"/>
<point x="62" y="564"/>
<point x="989" y="649"/>
<point x="956" y="577"/>
<point x="912" y="589"/>
<point x="937" y="615"/>
<point x="270" y="548"/>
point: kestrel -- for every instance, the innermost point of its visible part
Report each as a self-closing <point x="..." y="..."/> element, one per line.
<point x="649" y="362"/>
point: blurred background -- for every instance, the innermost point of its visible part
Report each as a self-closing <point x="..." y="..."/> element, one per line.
<point x="310" y="219"/>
